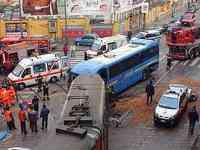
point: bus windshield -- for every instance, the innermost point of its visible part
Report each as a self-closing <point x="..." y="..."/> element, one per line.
<point x="96" y="45"/>
<point x="18" y="70"/>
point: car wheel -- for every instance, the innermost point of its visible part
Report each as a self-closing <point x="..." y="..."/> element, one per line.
<point x="21" y="86"/>
<point x="54" y="79"/>
<point x="155" y="123"/>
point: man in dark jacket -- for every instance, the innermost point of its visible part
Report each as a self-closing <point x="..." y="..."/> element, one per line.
<point x="150" y="92"/>
<point x="39" y="82"/>
<point x="193" y="117"/>
<point x="35" y="102"/>
<point x="44" y="115"/>
<point x="45" y="91"/>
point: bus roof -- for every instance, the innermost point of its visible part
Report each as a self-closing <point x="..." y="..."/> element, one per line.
<point x="93" y="65"/>
<point x="38" y="59"/>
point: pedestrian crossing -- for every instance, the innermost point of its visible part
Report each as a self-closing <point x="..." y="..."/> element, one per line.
<point x="191" y="63"/>
<point x="75" y="58"/>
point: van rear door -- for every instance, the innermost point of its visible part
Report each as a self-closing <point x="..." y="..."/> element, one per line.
<point x="64" y="65"/>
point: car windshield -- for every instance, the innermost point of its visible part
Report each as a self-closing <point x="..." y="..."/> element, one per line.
<point x="168" y="102"/>
<point x="18" y="70"/>
<point x="96" y="45"/>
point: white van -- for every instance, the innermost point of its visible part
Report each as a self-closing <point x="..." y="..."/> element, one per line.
<point x="49" y="66"/>
<point x="103" y="45"/>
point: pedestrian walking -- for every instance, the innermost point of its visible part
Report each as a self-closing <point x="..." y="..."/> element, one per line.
<point x="193" y="117"/>
<point x="22" y="119"/>
<point x="66" y="49"/>
<point x="8" y="116"/>
<point x="150" y="90"/>
<point x="35" y="103"/>
<point x="45" y="91"/>
<point x="169" y="63"/>
<point x="85" y="56"/>
<point x="33" y="117"/>
<point x="39" y="82"/>
<point x="129" y="35"/>
<point x="44" y="115"/>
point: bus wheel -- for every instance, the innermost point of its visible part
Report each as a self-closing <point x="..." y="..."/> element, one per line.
<point x="21" y="86"/>
<point x="146" y="74"/>
<point x="54" y="79"/>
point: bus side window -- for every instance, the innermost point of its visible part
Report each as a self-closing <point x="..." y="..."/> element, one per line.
<point x="103" y="74"/>
<point x="39" y="68"/>
<point x="26" y="72"/>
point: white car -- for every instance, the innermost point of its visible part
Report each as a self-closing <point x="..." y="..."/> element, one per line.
<point x="172" y="105"/>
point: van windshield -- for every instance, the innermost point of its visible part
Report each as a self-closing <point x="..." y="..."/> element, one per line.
<point x="18" y="70"/>
<point x="96" y="45"/>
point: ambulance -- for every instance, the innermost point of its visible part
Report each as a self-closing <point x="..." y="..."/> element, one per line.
<point x="50" y="66"/>
<point x="106" y="44"/>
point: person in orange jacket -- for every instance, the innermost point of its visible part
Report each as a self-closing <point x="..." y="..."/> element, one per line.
<point x="8" y="116"/>
<point x="22" y="119"/>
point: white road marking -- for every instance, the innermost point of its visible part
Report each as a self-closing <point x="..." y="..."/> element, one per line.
<point x="186" y="62"/>
<point x="194" y="62"/>
<point x="163" y="57"/>
<point x="166" y="73"/>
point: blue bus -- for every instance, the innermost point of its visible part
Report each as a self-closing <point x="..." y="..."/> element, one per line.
<point x="124" y="66"/>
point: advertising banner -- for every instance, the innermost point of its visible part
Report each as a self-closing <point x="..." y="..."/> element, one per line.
<point x="39" y="7"/>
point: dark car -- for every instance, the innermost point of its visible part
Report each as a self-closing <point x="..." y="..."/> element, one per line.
<point x="86" y="40"/>
<point x="172" y="104"/>
<point x="148" y="35"/>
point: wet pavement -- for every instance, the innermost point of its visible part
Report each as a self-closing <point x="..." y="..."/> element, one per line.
<point x="131" y="137"/>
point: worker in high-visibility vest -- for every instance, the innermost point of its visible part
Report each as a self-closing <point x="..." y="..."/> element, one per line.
<point x="8" y="116"/>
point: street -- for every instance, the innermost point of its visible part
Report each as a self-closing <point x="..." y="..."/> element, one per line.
<point x="139" y="133"/>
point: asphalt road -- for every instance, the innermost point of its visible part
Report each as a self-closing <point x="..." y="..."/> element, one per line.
<point x="127" y="138"/>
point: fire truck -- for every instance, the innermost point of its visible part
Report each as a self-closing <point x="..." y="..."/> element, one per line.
<point x="13" y="49"/>
<point x="183" y="39"/>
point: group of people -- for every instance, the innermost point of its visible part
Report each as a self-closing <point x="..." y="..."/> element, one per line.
<point x="31" y="114"/>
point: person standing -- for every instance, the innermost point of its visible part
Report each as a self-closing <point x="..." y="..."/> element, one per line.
<point x="8" y="116"/>
<point x="33" y="117"/>
<point x="66" y="49"/>
<point x="193" y="117"/>
<point x="45" y="91"/>
<point x="150" y="92"/>
<point x="35" y="102"/>
<point x="39" y="82"/>
<point x="44" y="115"/>
<point x="22" y="119"/>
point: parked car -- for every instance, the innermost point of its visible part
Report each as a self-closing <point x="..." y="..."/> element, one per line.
<point x="148" y="35"/>
<point x="86" y="40"/>
<point x="172" y="105"/>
